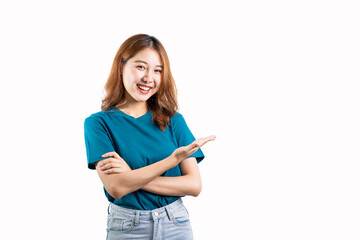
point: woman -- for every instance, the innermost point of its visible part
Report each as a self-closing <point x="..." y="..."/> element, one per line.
<point x="141" y="148"/>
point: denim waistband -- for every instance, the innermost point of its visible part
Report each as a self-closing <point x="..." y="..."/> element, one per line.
<point x="166" y="211"/>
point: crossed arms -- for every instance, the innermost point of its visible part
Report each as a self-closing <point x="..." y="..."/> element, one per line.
<point x="119" y="179"/>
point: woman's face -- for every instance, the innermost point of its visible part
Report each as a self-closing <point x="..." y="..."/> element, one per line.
<point x="142" y="75"/>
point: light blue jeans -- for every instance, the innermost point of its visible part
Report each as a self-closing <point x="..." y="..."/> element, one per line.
<point x="167" y="223"/>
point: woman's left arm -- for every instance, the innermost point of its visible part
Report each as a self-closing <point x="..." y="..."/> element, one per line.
<point x="189" y="183"/>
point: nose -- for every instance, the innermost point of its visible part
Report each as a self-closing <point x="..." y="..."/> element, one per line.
<point x="147" y="77"/>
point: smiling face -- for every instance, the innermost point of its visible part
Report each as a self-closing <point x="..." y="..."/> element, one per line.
<point x="142" y="75"/>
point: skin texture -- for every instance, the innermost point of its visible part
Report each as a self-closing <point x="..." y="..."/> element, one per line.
<point x="144" y="70"/>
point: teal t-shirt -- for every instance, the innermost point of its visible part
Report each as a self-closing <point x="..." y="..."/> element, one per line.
<point x="140" y="142"/>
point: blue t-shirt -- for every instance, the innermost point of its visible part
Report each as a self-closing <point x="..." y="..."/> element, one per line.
<point x="140" y="142"/>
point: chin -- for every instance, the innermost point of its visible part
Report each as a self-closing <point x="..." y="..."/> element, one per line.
<point x="142" y="99"/>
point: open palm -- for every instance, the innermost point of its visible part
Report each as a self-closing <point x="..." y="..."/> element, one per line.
<point x="183" y="152"/>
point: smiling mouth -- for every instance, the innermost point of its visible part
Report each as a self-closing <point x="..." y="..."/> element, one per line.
<point x="143" y="89"/>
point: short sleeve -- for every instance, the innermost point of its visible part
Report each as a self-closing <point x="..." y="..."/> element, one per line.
<point x="184" y="136"/>
<point x="97" y="141"/>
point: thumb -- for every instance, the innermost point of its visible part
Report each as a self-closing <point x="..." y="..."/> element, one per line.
<point x="194" y="145"/>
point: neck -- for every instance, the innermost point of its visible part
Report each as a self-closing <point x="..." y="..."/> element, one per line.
<point x="134" y="109"/>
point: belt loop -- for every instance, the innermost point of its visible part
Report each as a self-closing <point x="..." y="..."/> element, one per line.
<point x="169" y="213"/>
<point x="137" y="218"/>
<point x="109" y="208"/>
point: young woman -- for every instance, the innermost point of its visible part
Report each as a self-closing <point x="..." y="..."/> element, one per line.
<point x="142" y="148"/>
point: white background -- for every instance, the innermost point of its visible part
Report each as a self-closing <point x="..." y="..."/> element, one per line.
<point x="276" y="81"/>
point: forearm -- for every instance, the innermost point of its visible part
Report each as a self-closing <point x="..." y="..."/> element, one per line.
<point x="125" y="182"/>
<point x="119" y="185"/>
<point x="174" y="186"/>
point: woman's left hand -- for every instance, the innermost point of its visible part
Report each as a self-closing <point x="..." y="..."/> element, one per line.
<point x="113" y="164"/>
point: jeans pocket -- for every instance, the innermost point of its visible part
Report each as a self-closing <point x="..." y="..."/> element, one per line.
<point x="181" y="218"/>
<point x="120" y="224"/>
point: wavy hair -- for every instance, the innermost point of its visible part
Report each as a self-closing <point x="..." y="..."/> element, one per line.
<point x="163" y="104"/>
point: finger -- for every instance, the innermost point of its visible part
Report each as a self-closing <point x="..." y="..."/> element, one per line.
<point x="108" y="154"/>
<point x="209" y="138"/>
<point x="191" y="147"/>
<point x="101" y="163"/>
<point x="110" y="165"/>
<point x="202" y="141"/>
<point x="194" y="145"/>
<point x="104" y="162"/>
<point x="117" y="170"/>
<point x="111" y="154"/>
<point x="212" y="137"/>
<point x="111" y="171"/>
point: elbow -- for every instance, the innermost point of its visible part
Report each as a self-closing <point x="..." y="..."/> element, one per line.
<point x="117" y="195"/>
<point x="116" y="192"/>
<point x="196" y="189"/>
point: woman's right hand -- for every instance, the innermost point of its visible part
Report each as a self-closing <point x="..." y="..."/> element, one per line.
<point x="113" y="164"/>
<point x="184" y="152"/>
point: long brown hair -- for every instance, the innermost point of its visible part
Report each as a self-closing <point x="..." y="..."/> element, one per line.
<point x="163" y="104"/>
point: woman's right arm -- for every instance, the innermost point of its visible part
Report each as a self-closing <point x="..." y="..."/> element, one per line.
<point x="121" y="184"/>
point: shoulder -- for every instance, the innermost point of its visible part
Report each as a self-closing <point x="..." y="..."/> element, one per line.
<point x="98" y="117"/>
<point x="178" y="121"/>
<point x="176" y="118"/>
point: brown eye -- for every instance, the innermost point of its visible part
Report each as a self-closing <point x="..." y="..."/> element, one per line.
<point x="140" y="67"/>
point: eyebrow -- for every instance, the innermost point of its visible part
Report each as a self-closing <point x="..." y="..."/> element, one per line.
<point x="141" y="61"/>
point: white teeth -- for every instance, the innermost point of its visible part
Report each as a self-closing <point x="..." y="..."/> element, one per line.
<point x="144" y="88"/>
